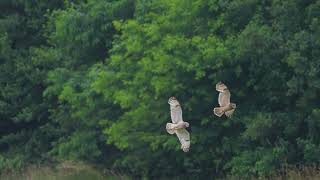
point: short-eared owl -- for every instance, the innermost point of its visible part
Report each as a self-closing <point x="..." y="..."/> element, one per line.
<point x="178" y="126"/>
<point x="226" y="107"/>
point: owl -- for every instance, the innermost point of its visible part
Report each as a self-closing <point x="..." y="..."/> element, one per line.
<point x="226" y="107"/>
<point x="178" y="126"/>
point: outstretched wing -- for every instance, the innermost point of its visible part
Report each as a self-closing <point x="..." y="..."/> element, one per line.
<point x="176" y="114"/>
<point x="170" y="128"/>
<point x="224" y="98"/>
<point x="229" y="113"/>
<point x="217" y="111"/>
<point x="184" y="138"/>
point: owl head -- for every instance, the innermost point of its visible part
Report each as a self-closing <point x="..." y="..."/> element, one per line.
<point x="233" y="105"/>
<point x="173" y="101"/>
<point x="221" y="87"/>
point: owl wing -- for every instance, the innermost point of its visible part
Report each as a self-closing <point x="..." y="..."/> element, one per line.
<point x="229" y="113"/>
<point x="224" y="98"/>
<point x="184" y="138"/>
<point x="170" y="128"/>
<point x="218" y="111"/>
<point x="176" y="114"/>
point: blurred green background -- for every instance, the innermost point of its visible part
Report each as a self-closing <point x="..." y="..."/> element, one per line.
<point x="89" y="81"/>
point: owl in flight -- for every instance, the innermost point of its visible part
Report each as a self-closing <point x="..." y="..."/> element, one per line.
<point x="178" y="126"/>
<point x="226" y="107"/>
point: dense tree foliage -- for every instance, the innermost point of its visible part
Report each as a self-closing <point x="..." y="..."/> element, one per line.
<point x="24" y="133"/>
<point x="89" y="80"/>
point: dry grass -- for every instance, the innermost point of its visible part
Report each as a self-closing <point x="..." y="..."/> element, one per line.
<point x="299" y="173"/>
<point x="80" y="171"/>
<point x="288" y="173"/>
<point x="63" y="171"/>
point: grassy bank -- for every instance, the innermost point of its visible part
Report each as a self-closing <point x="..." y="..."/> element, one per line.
<point x="288" y="173"/>
<point x="64" y="171"/>
<point x="80" y="171"/>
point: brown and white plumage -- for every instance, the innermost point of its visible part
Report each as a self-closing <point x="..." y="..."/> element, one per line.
<point x="178" y="126"/>
<point x="226" y="107"/>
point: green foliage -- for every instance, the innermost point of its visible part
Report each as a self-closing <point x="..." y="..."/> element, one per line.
<point x="23" y="114"/>
<point x="171" y="52"/>
<point x="90" y="80"/>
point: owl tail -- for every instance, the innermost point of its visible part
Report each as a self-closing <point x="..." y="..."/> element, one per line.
<point x="170" y="128"/>
<point x="218" y="111"/>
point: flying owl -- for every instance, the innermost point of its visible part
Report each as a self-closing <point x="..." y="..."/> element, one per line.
<point x="226" y="107"/>
<point x="178" y="126"/>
